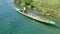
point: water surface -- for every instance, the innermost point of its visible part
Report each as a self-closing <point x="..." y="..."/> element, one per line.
<point x="11" y="22"/>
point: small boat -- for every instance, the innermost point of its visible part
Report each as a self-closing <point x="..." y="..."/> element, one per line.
<point x="33" y="16"/>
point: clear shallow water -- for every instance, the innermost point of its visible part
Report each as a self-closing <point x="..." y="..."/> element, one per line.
<point x="11" y="22"/>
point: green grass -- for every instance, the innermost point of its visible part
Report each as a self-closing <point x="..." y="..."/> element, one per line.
<point x="45" y="7"/>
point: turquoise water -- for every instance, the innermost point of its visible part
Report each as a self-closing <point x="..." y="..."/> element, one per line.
<point x="11" y="22"/>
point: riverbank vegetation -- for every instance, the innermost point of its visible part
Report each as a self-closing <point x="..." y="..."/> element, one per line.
<point x="45" y="7"/>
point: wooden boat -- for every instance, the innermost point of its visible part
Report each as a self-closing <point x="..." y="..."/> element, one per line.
<point x="33" y="16"/>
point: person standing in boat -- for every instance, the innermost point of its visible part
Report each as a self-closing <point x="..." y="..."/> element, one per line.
<point x="24" y="10"/>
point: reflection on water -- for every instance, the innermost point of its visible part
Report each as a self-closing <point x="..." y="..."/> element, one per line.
<point x="11" y="22"/>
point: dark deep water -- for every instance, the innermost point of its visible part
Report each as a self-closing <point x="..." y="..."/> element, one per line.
<point x="11" y="22"/>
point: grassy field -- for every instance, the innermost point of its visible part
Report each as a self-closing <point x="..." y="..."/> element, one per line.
<point x="45" y="7"/>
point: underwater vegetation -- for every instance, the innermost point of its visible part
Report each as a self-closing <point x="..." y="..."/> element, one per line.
<point x="45" y="7"/>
